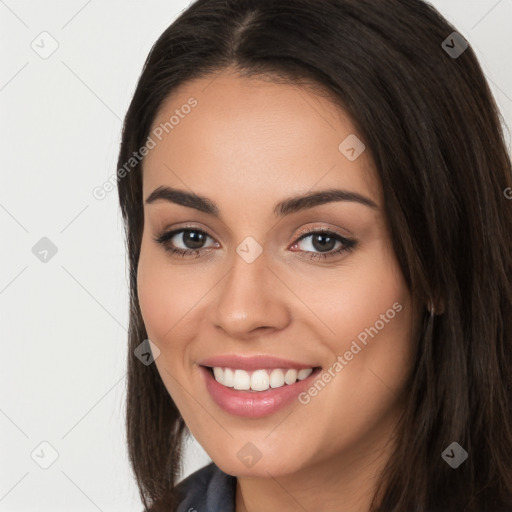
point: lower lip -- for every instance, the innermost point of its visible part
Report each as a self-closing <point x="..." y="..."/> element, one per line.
<point x="254" y="404"/>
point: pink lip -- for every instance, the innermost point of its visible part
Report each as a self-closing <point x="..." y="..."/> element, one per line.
<point x="255" y="404"/>
<point x="252" y="363"/>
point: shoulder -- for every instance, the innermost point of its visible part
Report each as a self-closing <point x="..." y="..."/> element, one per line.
<point x="207" y="489"/>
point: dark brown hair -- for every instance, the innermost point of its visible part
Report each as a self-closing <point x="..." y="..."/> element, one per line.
<point x="432" y="128"/>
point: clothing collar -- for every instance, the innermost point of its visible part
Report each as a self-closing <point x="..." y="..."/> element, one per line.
<point x="208" y="489"/>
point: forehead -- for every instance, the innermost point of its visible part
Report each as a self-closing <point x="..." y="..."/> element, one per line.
<point x="254" y="137"/>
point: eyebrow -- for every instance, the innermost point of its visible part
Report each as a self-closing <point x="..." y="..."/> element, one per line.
<point x="285" y="207"/>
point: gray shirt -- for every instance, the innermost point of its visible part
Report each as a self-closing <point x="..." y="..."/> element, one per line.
<point x="207" y="490"/>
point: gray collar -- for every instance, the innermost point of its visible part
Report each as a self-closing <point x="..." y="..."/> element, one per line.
<point x="208" y="489"/>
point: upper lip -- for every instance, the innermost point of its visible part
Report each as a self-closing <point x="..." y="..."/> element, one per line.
<point x="252" y="363"/>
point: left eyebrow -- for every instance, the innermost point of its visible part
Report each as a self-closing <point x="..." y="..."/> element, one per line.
<point x="285" y="207"/>
<point x="298" y="203"/>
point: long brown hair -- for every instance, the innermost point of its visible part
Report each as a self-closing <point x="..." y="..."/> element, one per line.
<point x="433" y="129"/>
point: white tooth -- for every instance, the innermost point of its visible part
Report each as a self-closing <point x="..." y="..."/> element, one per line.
<point x="259" y="380"/>
<point x="290" y="376"/>
<point x="241" y="380"/>
<point x="276" y="378"/>
<point x="218" y="374"/>
<point x="228" y="378"/>
<point x="305" y="372"/>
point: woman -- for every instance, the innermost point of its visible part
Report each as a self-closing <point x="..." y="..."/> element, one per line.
<point x="320" y="250"/>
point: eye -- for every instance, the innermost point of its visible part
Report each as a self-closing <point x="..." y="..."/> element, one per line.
<point x="324" y="241"/>
<point x="192" y="239"/>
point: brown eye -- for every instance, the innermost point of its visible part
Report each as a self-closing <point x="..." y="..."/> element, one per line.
<point x="323" y="242"/>
<point x="192" y="241"/>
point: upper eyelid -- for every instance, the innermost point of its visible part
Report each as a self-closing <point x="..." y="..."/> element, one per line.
<point x="313" y="231"/>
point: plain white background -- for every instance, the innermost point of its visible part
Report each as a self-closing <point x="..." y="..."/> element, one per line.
<point x="63" y="322"/>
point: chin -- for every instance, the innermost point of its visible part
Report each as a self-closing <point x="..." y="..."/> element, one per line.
<point x="274" y="465"/>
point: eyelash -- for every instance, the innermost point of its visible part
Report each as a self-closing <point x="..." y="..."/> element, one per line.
<point x="348" y="246"/>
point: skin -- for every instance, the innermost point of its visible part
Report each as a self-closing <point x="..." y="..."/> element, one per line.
<point x="247" y="145"/>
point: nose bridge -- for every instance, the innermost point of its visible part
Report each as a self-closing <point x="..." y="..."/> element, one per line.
<point x="249" y="298"/>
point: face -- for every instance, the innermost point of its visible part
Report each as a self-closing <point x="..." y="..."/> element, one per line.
<point x="310" y="285"/>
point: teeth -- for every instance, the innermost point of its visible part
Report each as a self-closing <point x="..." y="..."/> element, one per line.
<point x="241" y="380"/>
<point x="290" y="376"/>
<point x="218" y="372"/>
<point x="276" y="379"/>
<point x="228" y="377"/>
<point x="259" y="380"/>
<point x="306" y="372"/>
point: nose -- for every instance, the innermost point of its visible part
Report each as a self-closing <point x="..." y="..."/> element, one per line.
<point x="250" y="300"/>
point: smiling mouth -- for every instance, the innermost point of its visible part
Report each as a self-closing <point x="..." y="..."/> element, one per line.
<point x="259" y="380"/>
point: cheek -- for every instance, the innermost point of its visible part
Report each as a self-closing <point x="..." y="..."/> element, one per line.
<point x="166" y="296"/>
<point x="370" y="316"/>
<point x="361" y="395"/>
<point x="359" y="299"/>
<point x="155" y="299"/>
<point x="163" y="306"/>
